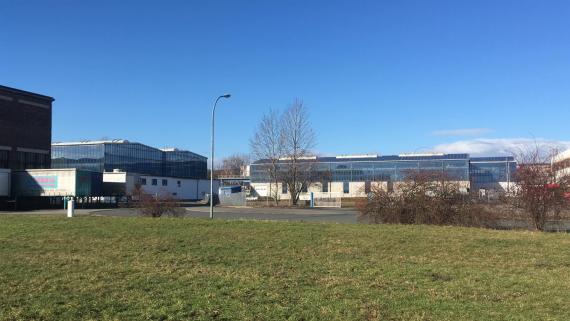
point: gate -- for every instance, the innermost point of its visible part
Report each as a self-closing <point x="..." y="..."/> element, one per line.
<point x="232" y="196"/>
<point x="327" y="199"/>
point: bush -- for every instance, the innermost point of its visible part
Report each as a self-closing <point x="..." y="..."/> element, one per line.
<point x="425" y="198"/>
<point x="156" y="205"/>
<point x="540" y="190"/>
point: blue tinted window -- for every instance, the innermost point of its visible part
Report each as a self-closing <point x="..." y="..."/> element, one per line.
<point x="391" y="168"/>
<point x="130" y="157"/>
<point x="489" y="172"/>
<point x="345" y="187"/>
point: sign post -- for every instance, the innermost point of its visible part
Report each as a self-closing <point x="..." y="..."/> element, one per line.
<point x="70" y="207"/>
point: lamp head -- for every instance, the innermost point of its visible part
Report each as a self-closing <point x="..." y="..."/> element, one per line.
<point x="226" y="96"/>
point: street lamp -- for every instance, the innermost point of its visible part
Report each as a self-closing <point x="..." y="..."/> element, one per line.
<point x="212" y="159"/>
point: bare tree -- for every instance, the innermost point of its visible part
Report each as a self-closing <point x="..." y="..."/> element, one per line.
<point x="298" y="140"/>
<point x="539" y="191"/>
<point x="233" y="165"/>
<point x="266" y="144"/>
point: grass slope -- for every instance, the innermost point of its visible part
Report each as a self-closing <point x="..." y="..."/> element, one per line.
<point x="95" y="268"/>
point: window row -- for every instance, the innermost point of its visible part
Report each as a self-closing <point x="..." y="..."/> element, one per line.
<point x="26" y="160"/>
<point x="154" y="182"/>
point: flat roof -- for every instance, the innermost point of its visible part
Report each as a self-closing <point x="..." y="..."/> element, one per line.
<point x="493" y="159"/>
<point x="27" y="93"/>
<point x="124" y="141"/>
<point x="360" y="158"/>
<point x="93" y="142"/>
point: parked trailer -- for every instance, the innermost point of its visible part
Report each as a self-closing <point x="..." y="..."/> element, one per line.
<point x="56" y="182"/>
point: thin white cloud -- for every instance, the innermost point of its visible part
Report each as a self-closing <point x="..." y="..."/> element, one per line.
<point x="470" y="132"/>
<point x="501" y="146"/>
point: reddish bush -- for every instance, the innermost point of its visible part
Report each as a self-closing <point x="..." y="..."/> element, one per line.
<point x="424" y="198"/>
<point x="156" y="205"/>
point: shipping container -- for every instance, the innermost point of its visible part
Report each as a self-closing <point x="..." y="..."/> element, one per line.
<point x="57" y="182"/>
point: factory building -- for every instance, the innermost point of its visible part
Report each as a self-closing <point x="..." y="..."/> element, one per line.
<point x="123" y="155"/>
<point x="32" y="177"/>
<point x="25" y="134"/>
<point x="355" y="175"/>
<point x="127" y="166"/>
<point x="25" y="129"/>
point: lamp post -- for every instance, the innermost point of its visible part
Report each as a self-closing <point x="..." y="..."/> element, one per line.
<point x="212" y="157"/>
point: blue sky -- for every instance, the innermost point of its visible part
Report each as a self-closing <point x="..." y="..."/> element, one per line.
<point x="377" y="76"/>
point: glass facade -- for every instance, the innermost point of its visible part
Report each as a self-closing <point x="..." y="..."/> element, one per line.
<point x="481" y="172"/>
<point x="133" y="157"/>
<point x="487" y="172"/>
<point x="384" y="168"/>
<point x="4" y="159"/>
<point x="87" y="157"/>
<point x="179" y="163"/>
<point x="25" y="160"/>
<point x="130" y="157"/>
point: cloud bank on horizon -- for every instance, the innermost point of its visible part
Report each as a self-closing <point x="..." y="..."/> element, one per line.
<point x="463" y="132"/>
<point x="500" y="146"/>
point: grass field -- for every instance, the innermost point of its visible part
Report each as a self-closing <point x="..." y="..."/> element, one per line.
<point x="95" y="268"/>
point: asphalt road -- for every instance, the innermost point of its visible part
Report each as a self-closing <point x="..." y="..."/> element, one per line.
<point x="329" y="215"/>
<point x="324" y="215"/>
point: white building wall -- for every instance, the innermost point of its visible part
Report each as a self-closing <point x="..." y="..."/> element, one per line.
<point x="562" y="162"/>
<point x="178" y="188"/>
<point x="114" y="177"/>
<point x="356" y="189"/>
<point x="336" y="189"/>
<point x="187" y="189"/>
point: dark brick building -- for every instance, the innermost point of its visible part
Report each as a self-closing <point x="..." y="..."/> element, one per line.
<point x="25" y="129"/>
